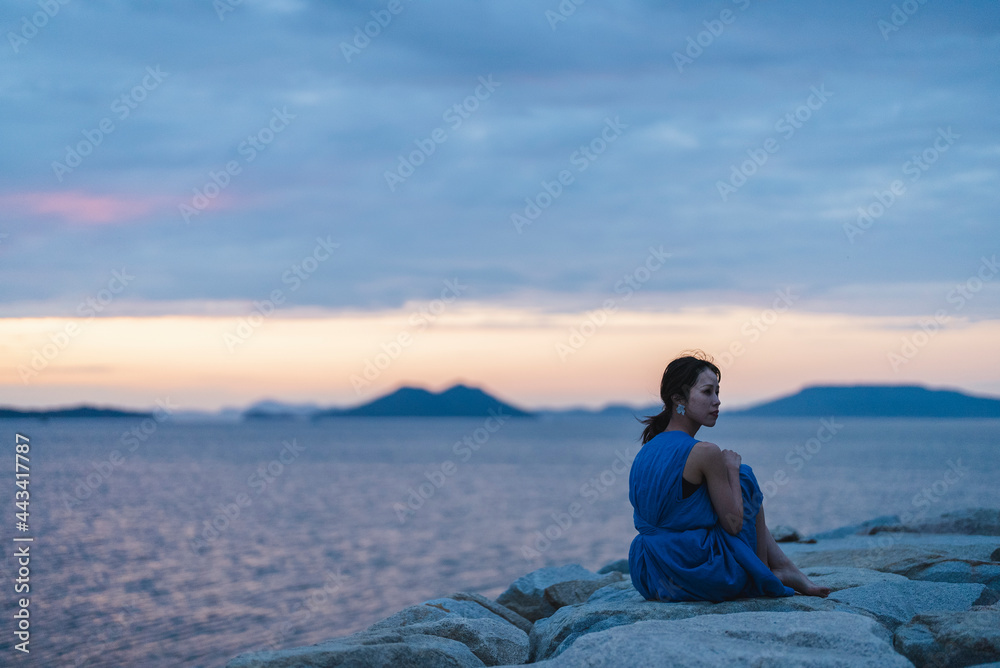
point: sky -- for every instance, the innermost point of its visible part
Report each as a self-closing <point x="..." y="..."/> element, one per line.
<point x="220" y="202"/>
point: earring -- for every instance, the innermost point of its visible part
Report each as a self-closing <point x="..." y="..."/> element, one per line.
<point x="680" y="409"/>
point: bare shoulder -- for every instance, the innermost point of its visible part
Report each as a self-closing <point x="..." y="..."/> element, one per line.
<point x="706" y="449"/>
<point x="705" y="456"/>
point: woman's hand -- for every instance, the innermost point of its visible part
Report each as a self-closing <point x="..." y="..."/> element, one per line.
<point x="732" y="459"/>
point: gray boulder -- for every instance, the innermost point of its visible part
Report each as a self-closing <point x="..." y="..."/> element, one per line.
<point x="961" y="571"/>
<point x="844" y="577"/>
<point x="527" y="595"/>
<point x="461" y="604"/>
<point x="621" y="566"/>
<point x="617" y="591"/>
<point x="783" y="534"/>
<point x="904" y="554"/>
<point x="400" y="651"/>
<point x="739" y="639"/>
<point x="578" y="591"/>
<point x="487" y="639"/>
<point x="969" y="521"/>
<point x="854" y="529"/>
<point x="494" y="643"/>
<point x="494" y="607"/>
<point x="620" y="604"/>
<point x="895" y="603"/>
<point x="951" y="638"/>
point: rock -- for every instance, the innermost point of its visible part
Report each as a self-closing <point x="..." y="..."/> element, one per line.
<point x="951" y="638"/>
<point x="747" y="638"/>
<point x="494" y="643"/>
<point x="461" y="604"/>
<point x="414" y="614"/>
<point x="903" y="554"/>
<point x="930" y="589"/>
<point x="970" y="521"/>
<point x="854" y="529"/>
<point x="620" y="604"/>
<point x="494" y="607"/>
<point x="578" y="591"/>
<point x="895" y="603"/>
<point x="617" y="591"/>
<point x="526" y="596"/>
<point x="783" y="534"/>
<point x="491" y="643"/>
<point x="622" y="567"/>
<point x="961" y="571"/>
<point x="844" y="577"/>
<point x="410" y="651"/>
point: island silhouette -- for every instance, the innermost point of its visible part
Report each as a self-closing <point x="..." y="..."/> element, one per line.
<point x="460" y="400"/>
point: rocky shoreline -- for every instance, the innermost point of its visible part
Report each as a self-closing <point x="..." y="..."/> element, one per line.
<point x="919" y="594"/>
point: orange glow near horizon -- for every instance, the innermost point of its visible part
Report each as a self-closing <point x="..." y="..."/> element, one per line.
<point x="529" y="358"/>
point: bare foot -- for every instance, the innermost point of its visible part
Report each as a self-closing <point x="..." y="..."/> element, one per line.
<point x="796" y="579"/>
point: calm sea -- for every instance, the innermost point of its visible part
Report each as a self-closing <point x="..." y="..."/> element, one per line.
<point x="172" y="544"/>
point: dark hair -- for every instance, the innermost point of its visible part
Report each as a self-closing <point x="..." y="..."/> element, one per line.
<point x="678" y="378"/>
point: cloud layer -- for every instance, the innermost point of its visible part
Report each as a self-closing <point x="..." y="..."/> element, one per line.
<point x="533" y="152"/>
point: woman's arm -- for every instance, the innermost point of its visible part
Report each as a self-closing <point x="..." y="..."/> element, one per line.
<point x="720" y="469"/>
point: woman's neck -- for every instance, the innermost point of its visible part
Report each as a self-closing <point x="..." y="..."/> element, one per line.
<point x="682" y="423"/>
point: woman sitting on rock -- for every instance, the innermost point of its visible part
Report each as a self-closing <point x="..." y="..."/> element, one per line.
<point x="697" y="508"/>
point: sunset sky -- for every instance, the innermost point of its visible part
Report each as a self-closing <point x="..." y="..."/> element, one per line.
<point x="320" y="201"/>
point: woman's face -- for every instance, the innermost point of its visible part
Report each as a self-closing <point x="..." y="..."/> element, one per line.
<point x="703" y="402"/>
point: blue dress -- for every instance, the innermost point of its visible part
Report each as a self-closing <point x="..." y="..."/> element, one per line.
<point x="682" y="553"/>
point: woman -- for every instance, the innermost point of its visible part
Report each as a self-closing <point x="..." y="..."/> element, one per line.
<point x="698" y="508"/>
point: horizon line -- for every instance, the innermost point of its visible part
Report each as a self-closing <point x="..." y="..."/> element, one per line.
<point x="540" y="409"/>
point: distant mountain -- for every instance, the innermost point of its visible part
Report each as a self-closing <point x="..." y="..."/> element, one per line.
<point x="876" y="401"/>
<point x="459" y="400"/>
<point x="276" y="410"/>
<point x="611" y="410"/>
<point x="78" y="412"/>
